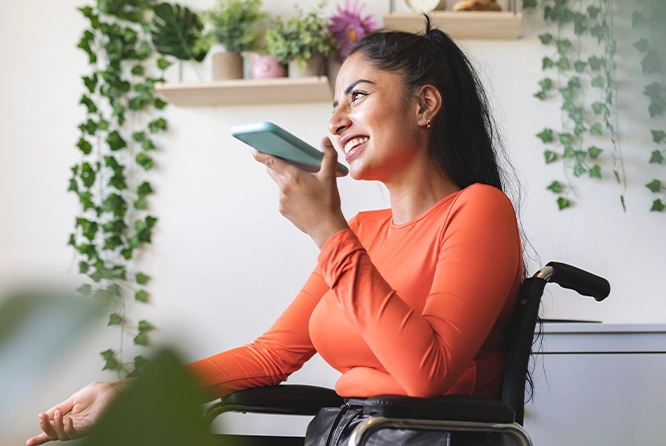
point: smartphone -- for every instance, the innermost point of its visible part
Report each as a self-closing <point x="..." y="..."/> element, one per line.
<point x="268" y="138"/>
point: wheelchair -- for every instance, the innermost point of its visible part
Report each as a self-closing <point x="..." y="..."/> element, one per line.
<point x="466" y="420"/>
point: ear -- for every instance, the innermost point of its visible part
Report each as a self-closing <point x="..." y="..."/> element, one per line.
<point x="430" y="103"/>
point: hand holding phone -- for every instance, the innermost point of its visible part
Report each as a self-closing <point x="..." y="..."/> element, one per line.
<point x="268" y="138"/>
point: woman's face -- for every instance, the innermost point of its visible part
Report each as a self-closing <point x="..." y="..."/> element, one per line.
<point x="376" y="125"/>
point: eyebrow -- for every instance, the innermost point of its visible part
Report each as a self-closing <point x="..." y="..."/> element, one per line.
<point x="350" y="87"/>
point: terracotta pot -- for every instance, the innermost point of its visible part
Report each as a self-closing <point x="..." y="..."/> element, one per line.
<point x="316" y="66"/>
<point x="227" y="65"/>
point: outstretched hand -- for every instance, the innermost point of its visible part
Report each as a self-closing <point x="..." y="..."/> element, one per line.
<point x="310" y="201"/>
<point x="75" y="417"/>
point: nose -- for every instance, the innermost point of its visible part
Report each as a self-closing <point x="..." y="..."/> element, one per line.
<point x="338" y="122"/>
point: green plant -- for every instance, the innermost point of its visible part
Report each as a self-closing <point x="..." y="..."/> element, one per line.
<point x="116" y="143"/>
<point x="232" y="23"/>
<point x="584" y="81"/>
<point x="174" y="31"/>
<point x="300" y="37"/>
<point x="651" y="19"/>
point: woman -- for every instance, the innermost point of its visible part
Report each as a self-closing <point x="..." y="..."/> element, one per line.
<point x="396" y="303"/>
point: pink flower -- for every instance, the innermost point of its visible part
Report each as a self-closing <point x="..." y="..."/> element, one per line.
<point x="348" y="26"/>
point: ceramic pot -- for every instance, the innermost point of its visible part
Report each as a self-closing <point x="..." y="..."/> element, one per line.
<point x="266" y="67"/>
<point x="316" y="66"/>
<point x="227" y="65"/>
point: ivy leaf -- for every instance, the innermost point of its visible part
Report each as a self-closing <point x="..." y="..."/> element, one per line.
<point x="596" y="130"/>
<point x="567" y="93"/>
<point x="642" y="45"/>
<point x="144" y="189"/>
<point x="555" y="187"/>
<point x="83" y="267"/>
<point x="657" y="95"/>
<point x="579" y="129"/>
<point x="529" y="4"/>
<point x="574" y="82"/>
<point x="598" y="82"/>
<point x="126" y="253"/>
<point x="86" y="200"/>
<point x="569" y="152"/>
<point x="593" y="11"/>
<point x="141" y="296"/>
<point x="115" y="319"/>
<point x="114" y="290"/>
<point x="594" y="152"/>
<point x="138" y="70"/>
<point x="654" y="186"/>
<point x="157" y="125"/>
<point x="596" y="63"/>
<point x="541" y="95"/>
<point x="163" y="63"/>
<point x="563" y="46"/>
<point x="595" y="171"/>
<point x="547" y="63"/>
<point x="114" y="226"/>
<point x="139" y="136"/>
<point x="115" y="141"/>
<point x="144" y="161"/>
<point x="116" y="204"/>
<point x="112" y="243"/>
<point x="139" y="363"/>
<point x="142" y="279"/>
<point x="84" y="146"/>
<point x="563" y="203"/>
<point x="90" y="82"/>
<point x="118" y="181"/>
<point x="563" y="63"/>
<point x="658" y="136"/>
<point x="599" y="32"/>
<point x="651" y="63"/>
<point x="145" y="326"/>
<point x="160" y="104"/>
<point x="546" y="84"/>
<point x="85" y="290"/>
<point x="148" y="145"/>
<point x="579" y="66"/>
<point x="90" y="105"/>
<point x="598" y="108"/>
<point x="579" y="23"/>
<point x="550" y="156"/>
<point x="657" y="157"/>
<point x="73" y="185"/>
<point x="566" y="138"/>
<point x="141" y="339"/>
<point x="658" y="206"/>
<point x="546" y="136"/>
<point x="72" y="240"/>
<point x="109" y="357"/>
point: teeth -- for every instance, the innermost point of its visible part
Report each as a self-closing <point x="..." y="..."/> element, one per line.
<point x="354" y="142"/>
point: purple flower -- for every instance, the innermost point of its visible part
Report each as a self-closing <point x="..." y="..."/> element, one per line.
<point x="348" y="26"/>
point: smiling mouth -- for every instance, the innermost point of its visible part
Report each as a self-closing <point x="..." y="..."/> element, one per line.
<point x="354" y="142"/>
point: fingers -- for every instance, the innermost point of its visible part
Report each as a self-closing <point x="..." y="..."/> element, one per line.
<point x="60" y="427"/>
<point x="38" y="439"/>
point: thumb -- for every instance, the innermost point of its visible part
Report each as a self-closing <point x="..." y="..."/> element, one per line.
<point x="329" y="163"/>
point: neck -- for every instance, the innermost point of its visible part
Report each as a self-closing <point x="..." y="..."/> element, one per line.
<point x="415" y="193"/>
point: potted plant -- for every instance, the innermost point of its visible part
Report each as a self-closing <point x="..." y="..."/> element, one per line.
<point x="233" y="24"/>
<point x="303" y="42"/>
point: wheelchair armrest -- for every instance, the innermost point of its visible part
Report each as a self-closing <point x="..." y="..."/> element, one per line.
<point x="448" y="407"/>
<point x="290" y="399"/>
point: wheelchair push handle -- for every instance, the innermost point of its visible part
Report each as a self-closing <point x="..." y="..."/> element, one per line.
<point x="576" y="279"/>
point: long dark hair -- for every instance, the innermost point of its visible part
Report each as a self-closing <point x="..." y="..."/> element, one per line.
<point x="463" y="139"/>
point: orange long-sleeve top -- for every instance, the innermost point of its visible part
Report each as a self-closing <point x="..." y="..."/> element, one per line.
<point x="417" y="309"/>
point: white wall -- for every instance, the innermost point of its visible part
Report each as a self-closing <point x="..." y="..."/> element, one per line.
<point x="224" y="262"/>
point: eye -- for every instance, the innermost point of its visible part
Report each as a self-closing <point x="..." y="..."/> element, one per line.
<point x="356" y="95"/>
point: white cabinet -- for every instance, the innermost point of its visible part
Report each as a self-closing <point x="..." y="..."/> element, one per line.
<point x="599" y="384"/>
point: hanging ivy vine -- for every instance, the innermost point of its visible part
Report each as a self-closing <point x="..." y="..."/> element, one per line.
<point x="650" y="19"/>
<point x="116" y="143"/>
<point x="580" y="73"/>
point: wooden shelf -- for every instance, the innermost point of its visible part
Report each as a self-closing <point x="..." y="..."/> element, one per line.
<point x="460" y="25"/>
<point x="247" y="91"/>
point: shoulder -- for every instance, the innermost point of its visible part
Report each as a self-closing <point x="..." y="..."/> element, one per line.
<point x="483" y="198"/>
